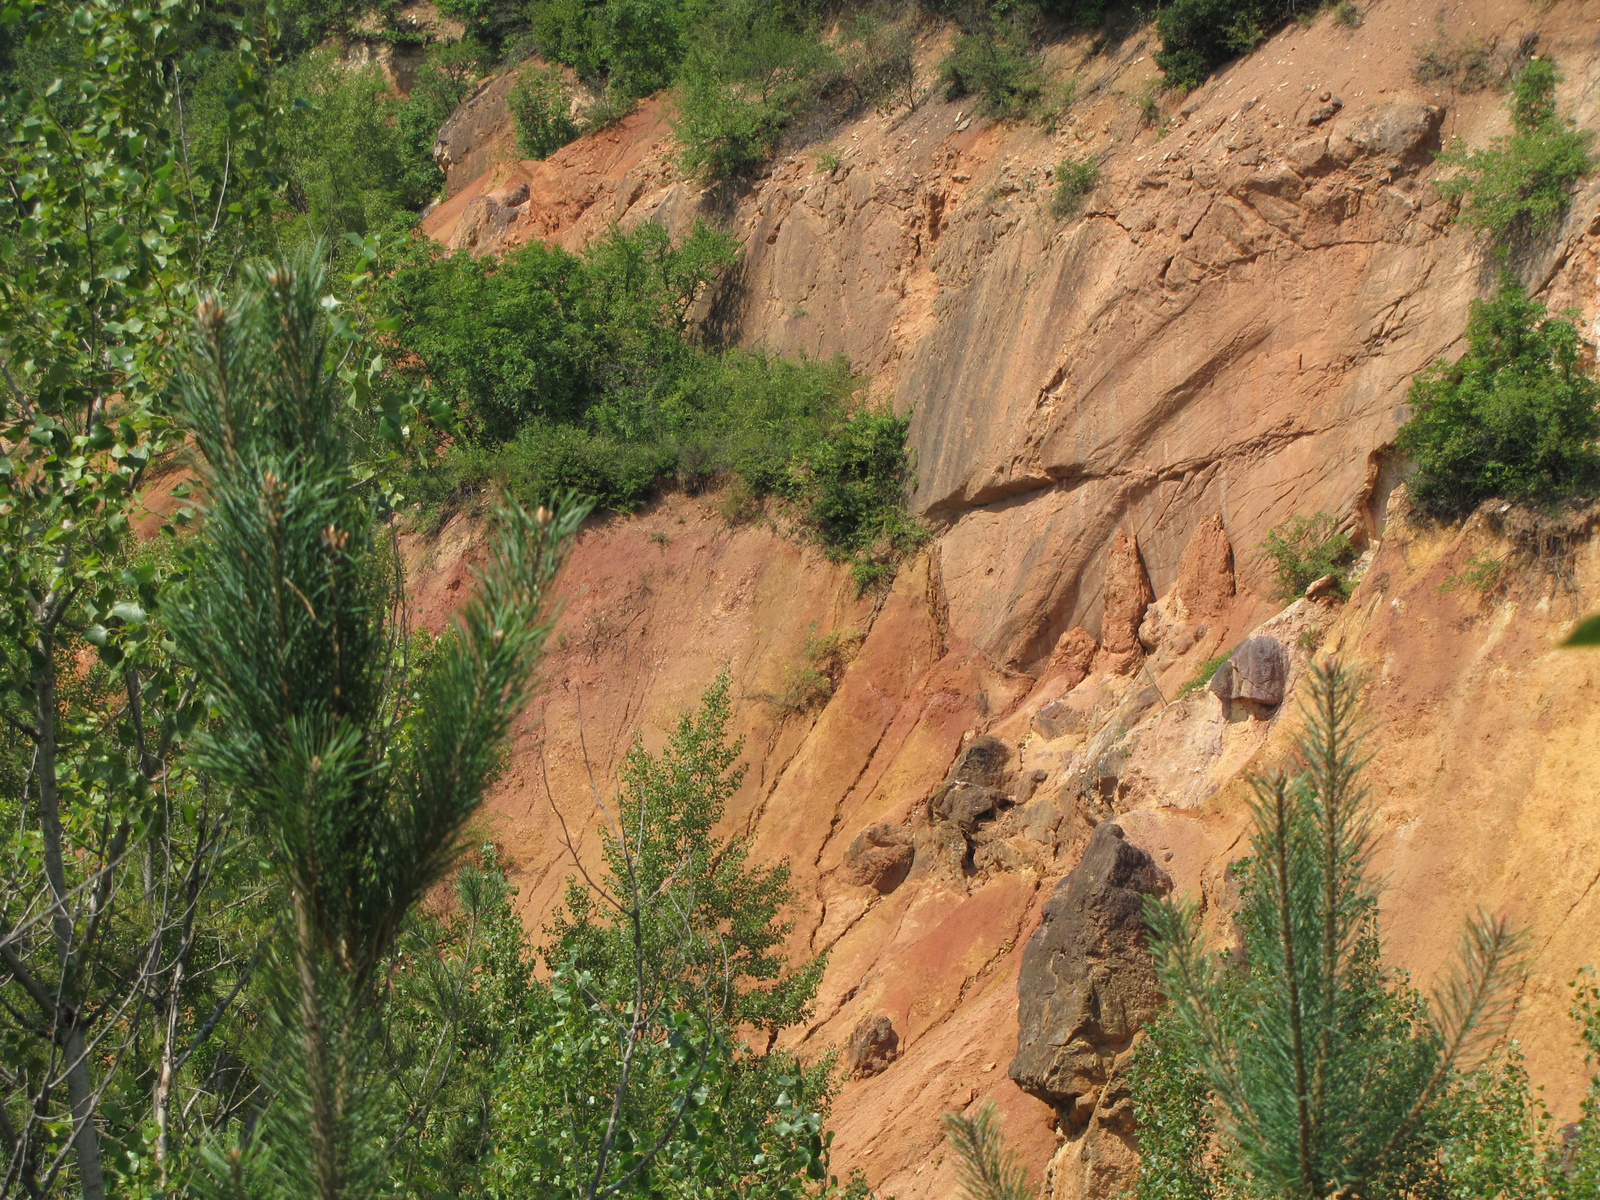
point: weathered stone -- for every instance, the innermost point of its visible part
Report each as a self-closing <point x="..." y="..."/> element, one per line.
<point x="1074" y="655"/>
<point x="484" y="220"/>
<point x="985" y="761"/>
<point x="1309" y="156"/>
<point x="1399" y="131"/>
<point x="1155" y="629"/>
<point x="879" y="857"/>
<point x="1127" y="594"/>
<point x="964" y="804"/>
<point x="511" y="195"/>
<point x="1058" y="718"/>
<point x="1258" y="670"/>
<point x="872" y="1047"/>
<point x="1327" y="586"/>
<point x="477" y="136"/>
<point x="1205" y="571"/>
<point x="1028" y="783"/>
<point x="1087" y="983"/>
<point x="1325" y="111"/>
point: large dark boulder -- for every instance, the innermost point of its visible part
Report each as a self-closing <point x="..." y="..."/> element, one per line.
<point x="965" y="805"/>
<point x="1257" y="671"/>
<point x="985" y="762"/>
<point x="1088" y="983"/>
<point x="976" y="787"/>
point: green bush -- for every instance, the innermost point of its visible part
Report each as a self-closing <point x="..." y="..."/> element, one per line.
<point x="857" y="476"/>
<point x="1521" y="186"/>
<point x="547" y="457"/>
<point x="1515" y="417"/>
<point x="346" y="165"/>
<point x="878" y="60"/>
<point x="493" y="25"/>
<point x="630" y="47"/>
<point x="1207" y="670"/>
<point x="754" y="69"/>
<point x="998" y="69"/>
<point x="1501" y="1138"/>
<point x="574" y="371"/>
<point x="541" y="110"/>
<point x="354" y="156"/>
<point x="545" y="334"/>
<point x="1198" y="36"/>
<point x="1303" y="550"/>
<point x="1074" y="182"/>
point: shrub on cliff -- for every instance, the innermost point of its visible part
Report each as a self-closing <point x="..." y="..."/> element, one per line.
<point x="576" y="371"/>
<point x="630" y="47"/>
<point x="541" y="111"/>
<point x="347" y="163"/>
<point x="1074" y="182"/>
<point x="856" y="477"/>
<point x="1521" y="186"/>
<point x="1514" y="417"/>
<point x="545" y="334"/>
<point x="1198" y="36"/>
<point x="1501" y="1139"/>
<point x="995" y="65"/>
<point x="1304" y="549"/>
<point x="754" y="67"/>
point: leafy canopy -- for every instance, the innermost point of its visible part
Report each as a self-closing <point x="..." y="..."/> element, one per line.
<point x="1522" y="184"/>
<point x="1515" y="417"/>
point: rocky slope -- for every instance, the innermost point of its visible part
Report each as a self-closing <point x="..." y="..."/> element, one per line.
<point x="1109" y="413"/>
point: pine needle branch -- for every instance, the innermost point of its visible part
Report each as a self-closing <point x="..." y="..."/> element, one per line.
<point x="988" y="1167"/>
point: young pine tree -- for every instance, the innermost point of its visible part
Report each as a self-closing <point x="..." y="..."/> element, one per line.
<point x="988" y="1167"/>
<point x="356" y="777"/>
<point x="1323" y="1072"/>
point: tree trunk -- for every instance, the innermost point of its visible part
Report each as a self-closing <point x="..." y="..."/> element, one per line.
<point x="85" y="1137"/>
<point x="326" y="1114"/>
<point x="80" y="1083"/>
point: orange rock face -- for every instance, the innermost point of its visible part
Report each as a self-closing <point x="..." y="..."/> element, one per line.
<point x="1125" y="597"/>
<point x="1205" y="572"/>
<point x="1109" y="414"/>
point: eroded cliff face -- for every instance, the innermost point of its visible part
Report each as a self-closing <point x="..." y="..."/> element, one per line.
<point x="1109" y="414"/>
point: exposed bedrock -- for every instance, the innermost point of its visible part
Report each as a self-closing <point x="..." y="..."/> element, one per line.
<point x="1109" y="414"/>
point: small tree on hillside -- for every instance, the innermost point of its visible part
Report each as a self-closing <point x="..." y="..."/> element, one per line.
<point x="628" y="1077"/>
<point x="1323" y="1072"/>
<point x="356" y="776"/>
<point x="1515" y="417"/>
<point x="1522" y="184"/>
<point x="712" y="923"/>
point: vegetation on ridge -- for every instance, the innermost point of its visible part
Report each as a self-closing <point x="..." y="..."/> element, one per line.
<point x="1304" y="549"/>
<point x="1515" y="417"/>
<point x="577" y="371"/>
<point x="1522" y="184"/>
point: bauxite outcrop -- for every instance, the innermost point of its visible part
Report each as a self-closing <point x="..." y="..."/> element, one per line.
<point x="1221" y="340"/>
